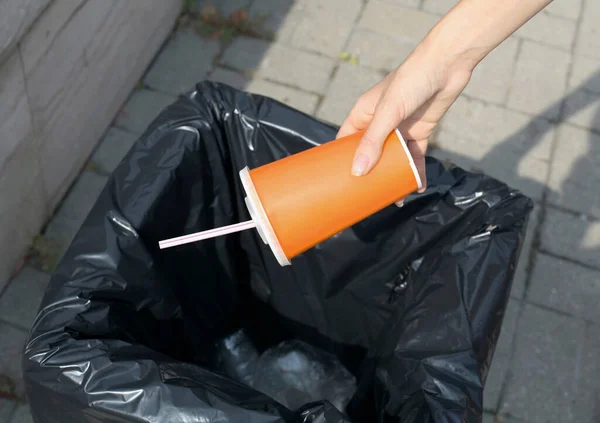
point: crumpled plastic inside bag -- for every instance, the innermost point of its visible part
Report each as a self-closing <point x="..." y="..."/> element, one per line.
<point x="293" y="373"/>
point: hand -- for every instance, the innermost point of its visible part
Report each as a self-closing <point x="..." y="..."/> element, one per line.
<point x="411" y="98"/>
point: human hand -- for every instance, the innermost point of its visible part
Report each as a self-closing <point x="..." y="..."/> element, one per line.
<point x="415" y="96"/>
<point x="411" y="98"/>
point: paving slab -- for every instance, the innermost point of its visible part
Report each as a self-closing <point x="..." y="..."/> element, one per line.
<point x="439" y="7"/>
<point x="21" y="299"/>
<point x="536" y="87"/>
<point x="303" y="70"/>
<point x="543" y="379"/>
<point x="325" y="25"/>
<point x="566" y="287"/>
<point x="525" y="259"/>
<point x="275" y="17"/>
<point x="575" y="171"/>
<point x="79" y="201"/>
<point x="491" y="79"/>
<point x="588" y="34"/>
<point x="245" y="53"/>
<point x="185" y="60"/>
<point x="571" y="236"/>
<point x="505" y="144"/>
<point x="587" y="401"/>
<point x="225" y="7"/>
<point x="415" y="4"/>
<point x="303" y="101"/>
<point x="22" y="415"/>
<point x="379" y="51"/>
<point x="583" y="109"/>
<point x="396" y="21"/>
<point x="494" y="127"/>
<point x="142" y="107"/>
<point x="501" y="360"/>
<point x="13" y="341"/>
<point x="349" y="82"/>
<point x="568" y="9"/>
<point x="112" y="148"/>
<point x="6" y="409"/>
<point x="549" y="29"/>
<point x="226" y="76"/>
<point x="585" y="74"/>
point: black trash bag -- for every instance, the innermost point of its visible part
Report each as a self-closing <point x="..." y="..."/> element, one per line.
<point x="410" y="300"/>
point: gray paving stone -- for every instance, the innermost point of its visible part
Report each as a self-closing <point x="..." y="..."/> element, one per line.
<point x="409" y="3"/>
<point x="492" y="77"/>
<point x="184" y="61"/>
<point x="543" y="382"/>
<point x="22" y="415"/>
<point x="297" y="99"/>
<point x="583" y="109"/>
<point x="379" y="51"/>
<point x="492" y="126"/>
<point x="112" y="148"/>
<point x="518" y="287"/>
<point x="501" y="360"/>
<point x="539" y="81"/>
<point x="397" y="21"/>
<point x="74" y="209"/>
<point x="245" y="53"/>
<point x="225" y="7"/>
<point x="348" y="84"/>
<point x="565" y="287"/>
<point x="588" y="35"/>
<point x="6" y="409"/>
<point x="141" y="109"/>
<point x="568" y="9"/>
<point x="573" y="237"/>
<point x="440" y="7"/>
<point x="306" y="71"/>
<point x="274" y="16"/>
<point x="488" y="418"/>
<point x="20" y="301"/>
<point x="585" y="74"/>
<point x="508" y="145"/>
<point x="549" y="29"/>
<point x="225" y="76"/>
<point x="325" y="26"/>
<point x="575" y="171"/>
<point x="11" y="347"/>
<point x="586" y="406"/>
<point x="527" y="174"/>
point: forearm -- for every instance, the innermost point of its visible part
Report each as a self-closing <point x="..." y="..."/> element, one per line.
<point x="473" y="28"/>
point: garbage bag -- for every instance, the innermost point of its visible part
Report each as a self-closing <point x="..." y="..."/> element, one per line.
<point x="410" y="300"/>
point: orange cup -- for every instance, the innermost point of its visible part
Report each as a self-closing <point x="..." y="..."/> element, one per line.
<point x="304" y="199"/>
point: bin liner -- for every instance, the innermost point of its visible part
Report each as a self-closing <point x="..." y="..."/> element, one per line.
<point x="410" y="300"/>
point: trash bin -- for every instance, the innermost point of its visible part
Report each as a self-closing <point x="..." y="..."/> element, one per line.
<point x="410" y="300"/>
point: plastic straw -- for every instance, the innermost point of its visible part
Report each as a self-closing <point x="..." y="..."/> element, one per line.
<point x="211" y="233"/>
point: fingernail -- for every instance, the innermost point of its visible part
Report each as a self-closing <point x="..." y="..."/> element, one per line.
<point x="400" y="203"/>
<point x="422" y="190"/>
<point x="360" y="164"/>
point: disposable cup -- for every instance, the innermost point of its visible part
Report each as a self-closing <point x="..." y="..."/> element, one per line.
<point x="302" y="200"/>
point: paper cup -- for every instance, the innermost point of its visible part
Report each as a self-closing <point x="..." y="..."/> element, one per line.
<point x="304" y="199"/>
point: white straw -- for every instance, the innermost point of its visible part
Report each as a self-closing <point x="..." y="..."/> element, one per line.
<point x="211" y="233"/>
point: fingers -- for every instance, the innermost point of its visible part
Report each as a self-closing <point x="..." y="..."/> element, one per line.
<point x="362" y="112"/>
<point x="404" y="95"/>
<point x="388" y="114"/>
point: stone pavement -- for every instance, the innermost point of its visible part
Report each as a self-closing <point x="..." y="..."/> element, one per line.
<point x="530" y="117"/>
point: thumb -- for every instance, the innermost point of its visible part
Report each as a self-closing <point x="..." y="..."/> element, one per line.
<point x="388" y="115"/>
